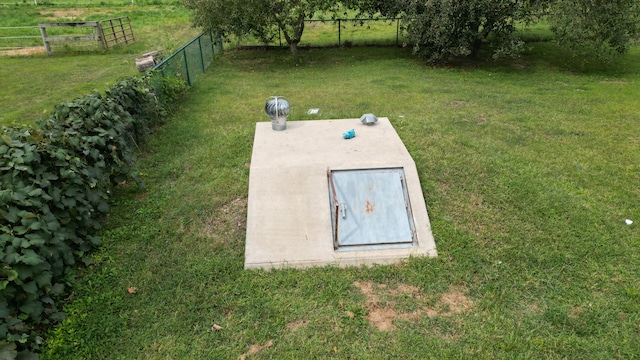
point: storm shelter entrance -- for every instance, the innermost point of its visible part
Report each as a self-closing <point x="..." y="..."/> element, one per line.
<point x="316" y="198"/>
<point x="370" y="208"/>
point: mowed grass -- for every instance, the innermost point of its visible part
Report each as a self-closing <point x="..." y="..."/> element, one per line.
<point x="529" y="170"/>
<point x="33" y="85"/>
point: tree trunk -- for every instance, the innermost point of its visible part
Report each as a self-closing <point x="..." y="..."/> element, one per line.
<point x="476" y="44"/>
<point x="293" y="39"/>
<point x="475" y="48"/>
<point x="293" y="46"/>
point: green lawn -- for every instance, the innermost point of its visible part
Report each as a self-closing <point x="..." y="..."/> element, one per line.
<point x="33" y="85"/>
<point x="529" y="169"/>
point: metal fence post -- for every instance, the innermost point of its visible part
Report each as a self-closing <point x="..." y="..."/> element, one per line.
<point x="186" y="66"/>
<point x="201" y="56"/>
<point x="339" y="32"/>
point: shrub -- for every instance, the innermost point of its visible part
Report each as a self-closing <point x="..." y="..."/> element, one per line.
<point x="56" y="180"/>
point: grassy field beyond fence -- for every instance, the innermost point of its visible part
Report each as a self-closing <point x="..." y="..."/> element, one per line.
<point x="529" y="169"/>
<point x="33" y="85"/>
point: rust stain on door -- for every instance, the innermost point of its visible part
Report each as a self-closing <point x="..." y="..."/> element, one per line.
<point x="369" y="207"/>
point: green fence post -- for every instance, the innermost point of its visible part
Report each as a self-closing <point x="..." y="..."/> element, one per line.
<point x="201" y="56"/>
<point x="186" y="66"/>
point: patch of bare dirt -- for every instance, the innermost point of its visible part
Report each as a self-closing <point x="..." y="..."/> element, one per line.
<point x="575" y="312"/>
<point x="381" y="317"/>
<point x="24" y="52"/>
<point x="520" y="64"/>
<point x="458" y="103"/>
<point x="614" y="82"/>
<point x="255" y="348"/>
<point x="407" y="289"/>
<point x="293" y="326"/>
<point x="455" y="301"/>
<point x="382" y="314"/>
<point x="534" y="308"/>
<point x="63" y="13"/>
<point x="482" y="120"/>
<point x="229" y="218"/>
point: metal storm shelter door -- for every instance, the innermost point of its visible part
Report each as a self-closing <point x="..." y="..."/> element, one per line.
<point x="370" y="208"/>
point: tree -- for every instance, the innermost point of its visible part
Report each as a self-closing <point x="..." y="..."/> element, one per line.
<point x="440" y="29"/>
<point x="593" y="27"/>
<point x="261" y="18"/>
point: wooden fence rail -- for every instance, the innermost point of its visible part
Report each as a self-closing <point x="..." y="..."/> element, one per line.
<point x="107" y="33"/>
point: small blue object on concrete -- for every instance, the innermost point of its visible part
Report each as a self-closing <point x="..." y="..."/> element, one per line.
<point x="349" y="134"/>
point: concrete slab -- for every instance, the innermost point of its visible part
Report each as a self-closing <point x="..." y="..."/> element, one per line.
<point x="289" y="215"/>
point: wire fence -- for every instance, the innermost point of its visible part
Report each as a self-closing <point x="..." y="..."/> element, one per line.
<point x="340" y="32"/>
<point x="16" y="37"/>
<point x="23" y="37"/>
<point x="190" y="60"/>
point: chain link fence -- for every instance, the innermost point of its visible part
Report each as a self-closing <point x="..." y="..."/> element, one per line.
<point x="191" y="59"/>
<point x="186" y="63"/>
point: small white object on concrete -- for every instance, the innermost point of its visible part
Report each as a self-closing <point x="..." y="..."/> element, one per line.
<point x="289" y="215"/>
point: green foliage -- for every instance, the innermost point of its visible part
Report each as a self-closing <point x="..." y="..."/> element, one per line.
<point x="169" y="90"/>
<point x="39" y="82"/>
<point x="56" y="181"/>
<point x="261" y="18"/>
<point x="594" y="28"/>
<point x="439" y="29"/>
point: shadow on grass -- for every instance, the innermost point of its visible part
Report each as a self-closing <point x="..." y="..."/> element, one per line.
<point x="543" y="54"/>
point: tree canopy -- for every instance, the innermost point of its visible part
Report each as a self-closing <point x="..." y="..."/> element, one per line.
<point x="593" y="27"/>
<point x="440" y="29"/>
<point x="261" y="18"/>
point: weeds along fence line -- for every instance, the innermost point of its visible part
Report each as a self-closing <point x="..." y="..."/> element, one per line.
<point x="57" y="179"/>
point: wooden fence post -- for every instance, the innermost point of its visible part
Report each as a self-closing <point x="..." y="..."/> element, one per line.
<point x="100" y="33"/>
<point x="43" y="32"/>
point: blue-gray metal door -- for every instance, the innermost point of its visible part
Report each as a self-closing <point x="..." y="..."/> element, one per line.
<point x="370" y="208"/>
